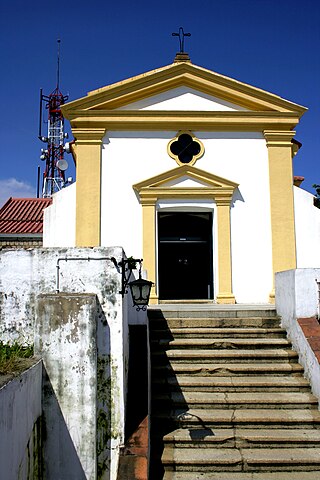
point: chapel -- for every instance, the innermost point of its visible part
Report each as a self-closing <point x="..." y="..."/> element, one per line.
<point x="191" y="171"/>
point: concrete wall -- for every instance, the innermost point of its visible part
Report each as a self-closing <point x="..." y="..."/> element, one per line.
<point x="81" y="394"/>
<point x="297" y="297"/>
<point x="59" y="219"/>
<point x="307" y="218"/>
<point x="237" y="156"/>
<point x="24" y="274"/>
<point x="20" y="426"/>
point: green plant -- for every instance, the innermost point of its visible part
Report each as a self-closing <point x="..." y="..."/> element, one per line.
<point x="10" y="355"/>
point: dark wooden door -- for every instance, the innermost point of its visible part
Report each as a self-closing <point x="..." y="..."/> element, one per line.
<point x="185" y="255"/>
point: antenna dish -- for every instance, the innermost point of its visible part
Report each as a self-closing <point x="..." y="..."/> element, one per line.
<point x="62" y="165"/>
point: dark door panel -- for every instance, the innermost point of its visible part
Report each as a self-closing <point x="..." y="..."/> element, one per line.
<point x="185" y="255"/>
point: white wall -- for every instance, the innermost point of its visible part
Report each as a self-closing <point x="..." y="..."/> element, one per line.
<point x="182" y="98"/>
<point x="24" y="274"/>
<point x="20" y="426"/>
<point x="297" y="297"/>
<point x="131" y="157"/>
<point x="307" y="218"/>
<point x="59" y="220"/>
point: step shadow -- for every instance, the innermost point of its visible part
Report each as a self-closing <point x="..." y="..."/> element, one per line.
<point x="169" y="407"/>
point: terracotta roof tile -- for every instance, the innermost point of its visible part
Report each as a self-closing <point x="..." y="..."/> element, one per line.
<point x="23" y="215"/>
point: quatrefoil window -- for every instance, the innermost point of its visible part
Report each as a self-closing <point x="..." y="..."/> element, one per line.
<point x="185" y="148"/>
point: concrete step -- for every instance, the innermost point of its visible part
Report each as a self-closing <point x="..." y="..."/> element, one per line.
<point x="231" y="384"/>
<point x="198" y="356"/>
<point x="214" y="322"/>
<point x="298" y="475"/>
<point x="242" y="437"/>
<point x="239" y="400"/>
<point x="245" y="418"/>
<point x="261" y="459"/>
<point x="230" y="369"/>
<point x="206" y="332"/>
<point x="211" y="311"/>
<point x="220" y="343"/>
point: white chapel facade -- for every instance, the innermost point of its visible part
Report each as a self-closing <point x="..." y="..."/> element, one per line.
<point x="191" y="171"/>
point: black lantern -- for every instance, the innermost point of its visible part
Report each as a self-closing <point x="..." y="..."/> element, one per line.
<point x="140" y="289"/>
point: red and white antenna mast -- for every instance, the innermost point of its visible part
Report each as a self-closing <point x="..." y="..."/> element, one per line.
<point x="53" y="154"/>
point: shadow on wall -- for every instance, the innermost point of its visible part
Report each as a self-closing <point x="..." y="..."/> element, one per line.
<point x="60" y="455"/>
<point x="73" y="337"/>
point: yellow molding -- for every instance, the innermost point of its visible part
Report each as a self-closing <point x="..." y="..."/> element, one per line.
<point x="186" y="170"/>
<point x="182" y="74"/>
<point x="279" y="138"/>
<point x="225" y="294"/>
<point x="88" y="186"/>
<point x="179" y="120"/>
<point x="281" y="201"/>
<point x="220" y="190"/>
<point x="149" y="243"/>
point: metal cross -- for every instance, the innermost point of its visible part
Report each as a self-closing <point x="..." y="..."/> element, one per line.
<point x="181" y="36"/>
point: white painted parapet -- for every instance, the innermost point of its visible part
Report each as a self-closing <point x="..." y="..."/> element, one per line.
<point x="297" y="297"/>
<point x="20" y="426"/>
<point x="25" y="274"/>
<point x="66" y="336"/>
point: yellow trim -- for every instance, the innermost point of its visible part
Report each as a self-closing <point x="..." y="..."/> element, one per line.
<point x="182" y="74"/>
<point x="88" y="186"/>
<point x="225" y="294"/>
<point x="182" y="120"/>
<point x="195" y="157"/>
<point x="159" y="181"/>
<point x="149" y="242"/>
<point x="281" y="201"/>
<point x="219" y="190"/>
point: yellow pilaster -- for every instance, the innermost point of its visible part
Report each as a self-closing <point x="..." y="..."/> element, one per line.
<point x="281" y="201"/>
<point x="88" y="186"/>
<point x="225" y="294"/>
<point x="149" y="243"/>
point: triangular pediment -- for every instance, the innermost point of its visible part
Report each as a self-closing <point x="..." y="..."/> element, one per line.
<point x="186" y="178"/>
<point x="183" y="99"/>
<point x="223" y="89"/>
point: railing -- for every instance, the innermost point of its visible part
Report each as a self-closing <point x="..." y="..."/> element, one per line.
<point x="88" y="259"/>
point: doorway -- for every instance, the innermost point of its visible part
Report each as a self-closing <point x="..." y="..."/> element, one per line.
<point x="185" y="255"/>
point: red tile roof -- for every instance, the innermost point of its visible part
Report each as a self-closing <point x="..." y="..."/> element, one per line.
<point x="23" y="215"/>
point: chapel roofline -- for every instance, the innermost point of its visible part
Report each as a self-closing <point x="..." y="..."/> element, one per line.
<point x="182" y="73"/>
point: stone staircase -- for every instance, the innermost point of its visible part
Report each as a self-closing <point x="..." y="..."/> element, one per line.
<point x="229" y="400"/>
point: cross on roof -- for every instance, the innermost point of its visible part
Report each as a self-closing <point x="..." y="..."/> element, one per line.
<point x="181" y="36"/>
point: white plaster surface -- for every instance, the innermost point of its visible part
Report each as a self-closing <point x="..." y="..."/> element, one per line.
<point x="20" y="409"/>
<point x="66" y="338"/>
<point x="182" y="98"/>
<point x="59" y="220"/>
<point x="307" y="218"/>
<point x="131" y="157"/>
<point x="24" y="274"/>
<point x="297" y="297"/>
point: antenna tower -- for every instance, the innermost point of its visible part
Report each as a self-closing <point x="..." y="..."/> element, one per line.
<point x="53" y="154"/>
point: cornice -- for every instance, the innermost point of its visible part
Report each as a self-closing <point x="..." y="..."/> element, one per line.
<point x="182" y="120"/>
<point x="159" y="181"/>
<point x="88" y="135"/>
<point x="279" y="138"/>
<point x="149" y="196"/>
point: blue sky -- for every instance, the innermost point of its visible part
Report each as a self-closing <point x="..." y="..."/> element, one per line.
<point x="271" y="44"/>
